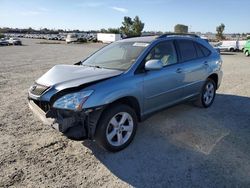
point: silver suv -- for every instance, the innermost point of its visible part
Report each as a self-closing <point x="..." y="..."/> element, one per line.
<point x="103" y="97"/>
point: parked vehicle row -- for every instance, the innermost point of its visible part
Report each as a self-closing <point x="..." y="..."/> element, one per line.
<point x="61" y="36"/>
<point x="80" y="37"/>
<point x="231" y="46"/>
<point x="234" y="46"/>
<point x="14" y="41"/>
<point x="10" y="41"/>
<point x="37" y="36"/>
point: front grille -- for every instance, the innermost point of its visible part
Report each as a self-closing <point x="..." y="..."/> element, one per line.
<point x="45" y="106"/>
<point x="38" y="89"/>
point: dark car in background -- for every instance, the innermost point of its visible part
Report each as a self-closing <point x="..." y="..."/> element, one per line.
<point x="3" y="42"/>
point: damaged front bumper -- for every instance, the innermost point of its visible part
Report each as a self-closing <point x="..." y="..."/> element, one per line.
<point x="42" y="115"/>
<point x="77" y="125"/>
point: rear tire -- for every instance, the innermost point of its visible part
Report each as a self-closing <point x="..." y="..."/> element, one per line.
<point x="116" y="128"/>
<point x="231" y="50"/>
<point x="247" y="53"/>
<point x="207" y="95"/>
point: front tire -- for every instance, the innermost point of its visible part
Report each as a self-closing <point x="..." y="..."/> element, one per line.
<point x="247" y="53"/>
<point x="116" y="128"/>
<point x="207" y="95"/>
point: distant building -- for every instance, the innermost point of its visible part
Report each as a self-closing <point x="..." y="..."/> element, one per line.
<point x="179" y="28"/>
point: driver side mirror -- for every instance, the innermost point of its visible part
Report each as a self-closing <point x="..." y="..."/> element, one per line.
<point x="154" y="64"/>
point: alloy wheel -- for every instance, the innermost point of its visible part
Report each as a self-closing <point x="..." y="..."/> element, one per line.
<point x="209" y="93"/>
<point x="119" y="129"/>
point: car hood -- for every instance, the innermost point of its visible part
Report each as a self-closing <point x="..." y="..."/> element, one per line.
<point x="68" y="76"/>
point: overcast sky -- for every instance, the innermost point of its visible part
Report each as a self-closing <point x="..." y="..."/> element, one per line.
<point x="158" y="15"/>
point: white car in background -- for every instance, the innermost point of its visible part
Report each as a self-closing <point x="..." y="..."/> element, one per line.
<point x="71" y="38"/>
<point x="231" y="46"/>
<point x="227" y="46"/>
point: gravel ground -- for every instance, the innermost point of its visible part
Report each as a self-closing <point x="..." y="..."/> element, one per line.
<point x="182" y="146"/>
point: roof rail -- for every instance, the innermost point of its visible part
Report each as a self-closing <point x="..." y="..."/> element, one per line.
<point x="178" y="34"/>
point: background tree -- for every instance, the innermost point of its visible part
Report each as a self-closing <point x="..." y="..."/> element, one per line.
<point x="111" y="30"/>
<point x="179" y="28"/>
<point x="220" y="29"/>
<point x="126" y="27"/>
<point x="137" y="26"/>
<point x="103" y="30"/>
<point x="1" y="35"/>
<point x="132" y="27"/>
<point x="30" y="30"/>
<point x="114" y="30"/>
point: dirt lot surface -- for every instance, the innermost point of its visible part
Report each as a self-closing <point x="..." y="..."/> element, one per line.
<point x="183" y="146"/>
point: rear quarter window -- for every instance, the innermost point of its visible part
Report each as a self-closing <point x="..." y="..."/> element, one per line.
<point x="205" y="51"/>
<point x="201" y="50"/>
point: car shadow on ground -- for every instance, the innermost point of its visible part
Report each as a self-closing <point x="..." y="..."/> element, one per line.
<point x="185" y="146"/>
<point x="227" y="53"/>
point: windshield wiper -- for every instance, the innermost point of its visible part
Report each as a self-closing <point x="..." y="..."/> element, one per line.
<point x="95" y="66"/>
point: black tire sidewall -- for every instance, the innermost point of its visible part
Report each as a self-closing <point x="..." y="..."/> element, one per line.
<point x="109" y="113"/>
<point x="204" y="90"/>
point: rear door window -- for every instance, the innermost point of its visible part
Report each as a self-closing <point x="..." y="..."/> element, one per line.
<point x="187" y="50"/>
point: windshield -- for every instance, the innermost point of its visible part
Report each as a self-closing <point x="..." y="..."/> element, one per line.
<point x="119" y="55"/>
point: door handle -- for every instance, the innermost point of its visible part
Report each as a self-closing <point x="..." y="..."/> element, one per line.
<point x="179" y="70"/>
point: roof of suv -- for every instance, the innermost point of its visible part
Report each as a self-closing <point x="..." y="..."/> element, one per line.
<point x="139" y="39"/>
<point x="151" y="38"/>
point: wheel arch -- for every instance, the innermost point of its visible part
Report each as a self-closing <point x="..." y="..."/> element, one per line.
<point x="131" y="102"/>
<point x="247" y="51"/>
<point x="215" y="78"/>
<point x="128" y="100"/>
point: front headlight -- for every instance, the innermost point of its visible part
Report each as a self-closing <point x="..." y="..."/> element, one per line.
<point x="73" y="101"/>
